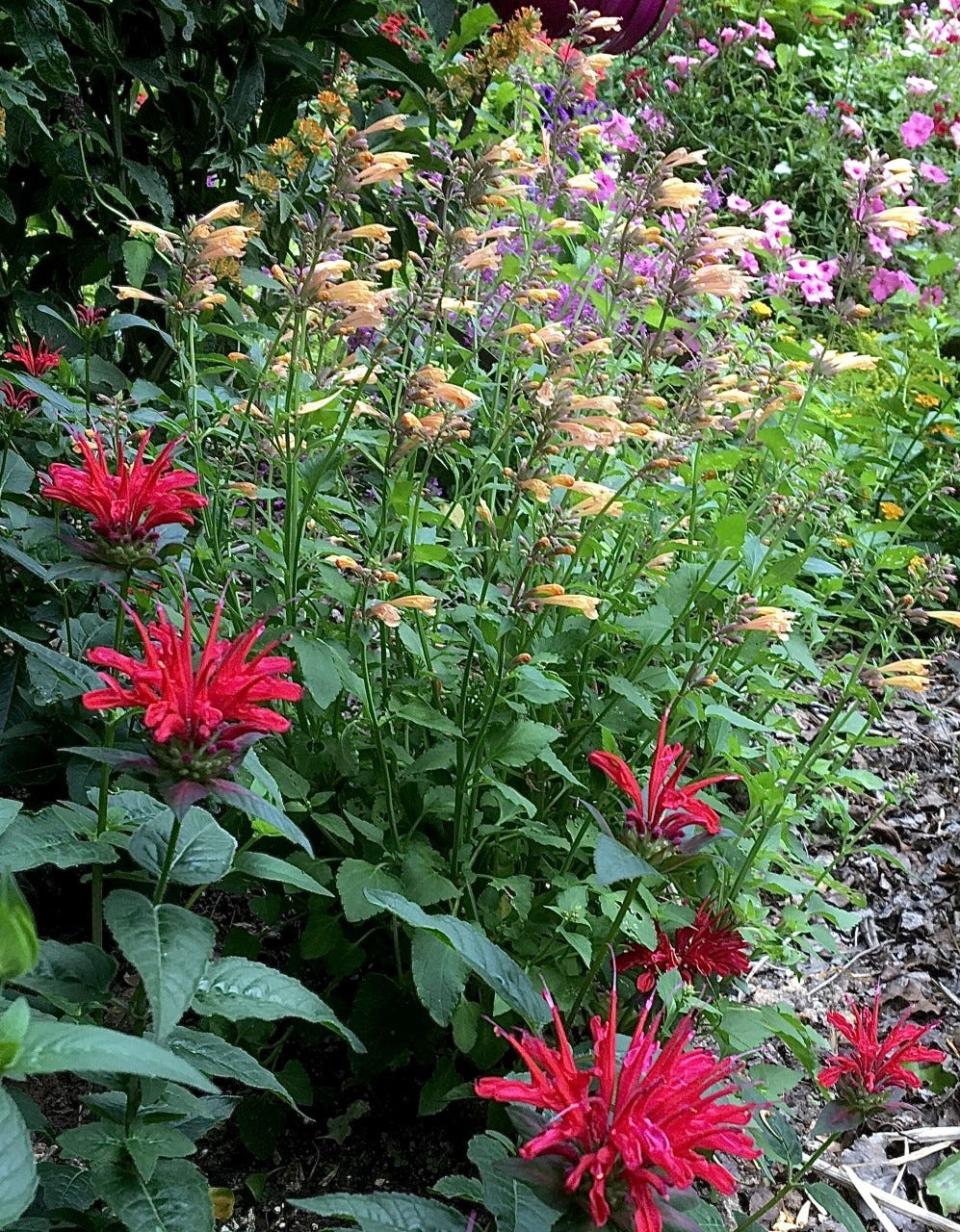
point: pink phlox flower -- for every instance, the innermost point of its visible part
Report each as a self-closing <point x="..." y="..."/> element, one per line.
<point x="850" y="128"/>
<point x="886" y="282"/>
<point x="933" y="173"/>
<point x="917" y="130"/>
<point x="764" y="58"/>
<point x="765" y="30"/>
<point x="920" y="85"/>
<point x="855" y="169"/>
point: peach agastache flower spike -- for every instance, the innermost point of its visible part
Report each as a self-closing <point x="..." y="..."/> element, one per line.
<point x="665" y="810"/>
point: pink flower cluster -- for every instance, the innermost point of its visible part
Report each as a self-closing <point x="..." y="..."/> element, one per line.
<point x="751" y="36"/>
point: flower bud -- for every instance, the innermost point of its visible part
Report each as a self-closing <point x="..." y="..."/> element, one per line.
<point x="18" y="933"/>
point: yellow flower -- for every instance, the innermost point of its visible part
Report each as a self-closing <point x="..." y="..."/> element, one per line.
<point x="677" y="194"/>
<point x="760" y="309"/>
<point x="950" y="618"/>
<point x="910" y="674"/>
<point x="775" y="620"/>
<point x="916" y="565"/>
<point x="928" y="401"/>
<point x="842" y="541"/>
<point x="390" y="613"/>
<point x="891" y="511"/>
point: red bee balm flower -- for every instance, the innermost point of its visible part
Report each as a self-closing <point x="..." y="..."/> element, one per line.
<point x="706" y="947"/>
<point x="200" y="713"/>
<point x="128" y="505"/>
<point x="37" y="362"/>
<point x="873" y="1065"/>
<point x="668" y="809"/>
<point x="647" y="1123"/>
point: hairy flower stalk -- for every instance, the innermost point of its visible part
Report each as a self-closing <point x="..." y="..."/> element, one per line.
<point x="629" y="1128"/>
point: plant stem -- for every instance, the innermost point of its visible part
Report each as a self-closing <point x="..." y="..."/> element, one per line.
<point x="787" y="1186"/>
<point x="611" y="936"/>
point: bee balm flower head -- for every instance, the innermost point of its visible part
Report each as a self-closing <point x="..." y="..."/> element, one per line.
<point x="629" y="1129"/>
<point x="129" y="501"/>
<point x="665" y="810"/>
<point x="869" y="1072"/>
<point x="201" y="711"/>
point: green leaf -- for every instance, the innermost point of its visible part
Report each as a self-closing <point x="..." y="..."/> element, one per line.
<point x="613" y="862"/>
<point x="47" y="839"/>
<point x="137" y="256"/>
<point x="944" y="1183"/>
<point x="176" y="1198"/>
<point x="270" y="868"/>
<point x="440" y="15"/>
<point x="423" y="715"/>
<point x="216" y="1058"/>
<point x="237" y="989"/>
<point x="169" y="947"/>
<point x="78" y="677"/>
<point x="56" y="1047"/>
<point x="385" y="1212"/>
<point x="18" y="1169"/>
<point x="318" y="666"/>
<point x="520" y="743"/>
<point x="71" y="975"/>
<point x="744" y="722"/>
<point x="835" y="1205"/>
<point x="496" y="968"/>
<point x="439" y="975"/>
<point x="354" y="878"/>
<point x="203" y="851"/>
<point x="247" y="92"/>
<point x="537" y="687"/>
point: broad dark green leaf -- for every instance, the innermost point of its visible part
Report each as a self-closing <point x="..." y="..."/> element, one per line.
<point x="944" y="1183"/>
<point x="176" y="1199"/>
<point x="439" y="975"/>
<point x="169" y="947"/>
<point x="835" y="1205"/>
<point x="613" y="862"/>
<point x="270" y="868"/>
<point x="319" y="670"/>
<point x="216" y="1058"/>
<point x="385" y="1212"/>
<point x="495" y="967"/>
<point x="71" y="975"/>
<point x="58" y="1047"/>
<point x="203" y="851"/>
<point x="237" y="989"/>
<point x="18" y="1169"/>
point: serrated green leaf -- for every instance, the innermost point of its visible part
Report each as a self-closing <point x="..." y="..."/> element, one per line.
<point x="613" y="862"/>
<point x="496" y="968"/>
<point x="176" y="1199"/>
<point x="18" y="1169"/>
<point x="56" y="1047"/>
<point x="270" y="868"/>
<point x="203" y="851"/>
<point x="385" y="1212"/>
<point x="835" y="1205"/>
<point x="439" y="975"/>
<point x="169" y="947"/>
<point x="238" y="989"/>
<point x="216" y="1058"/>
